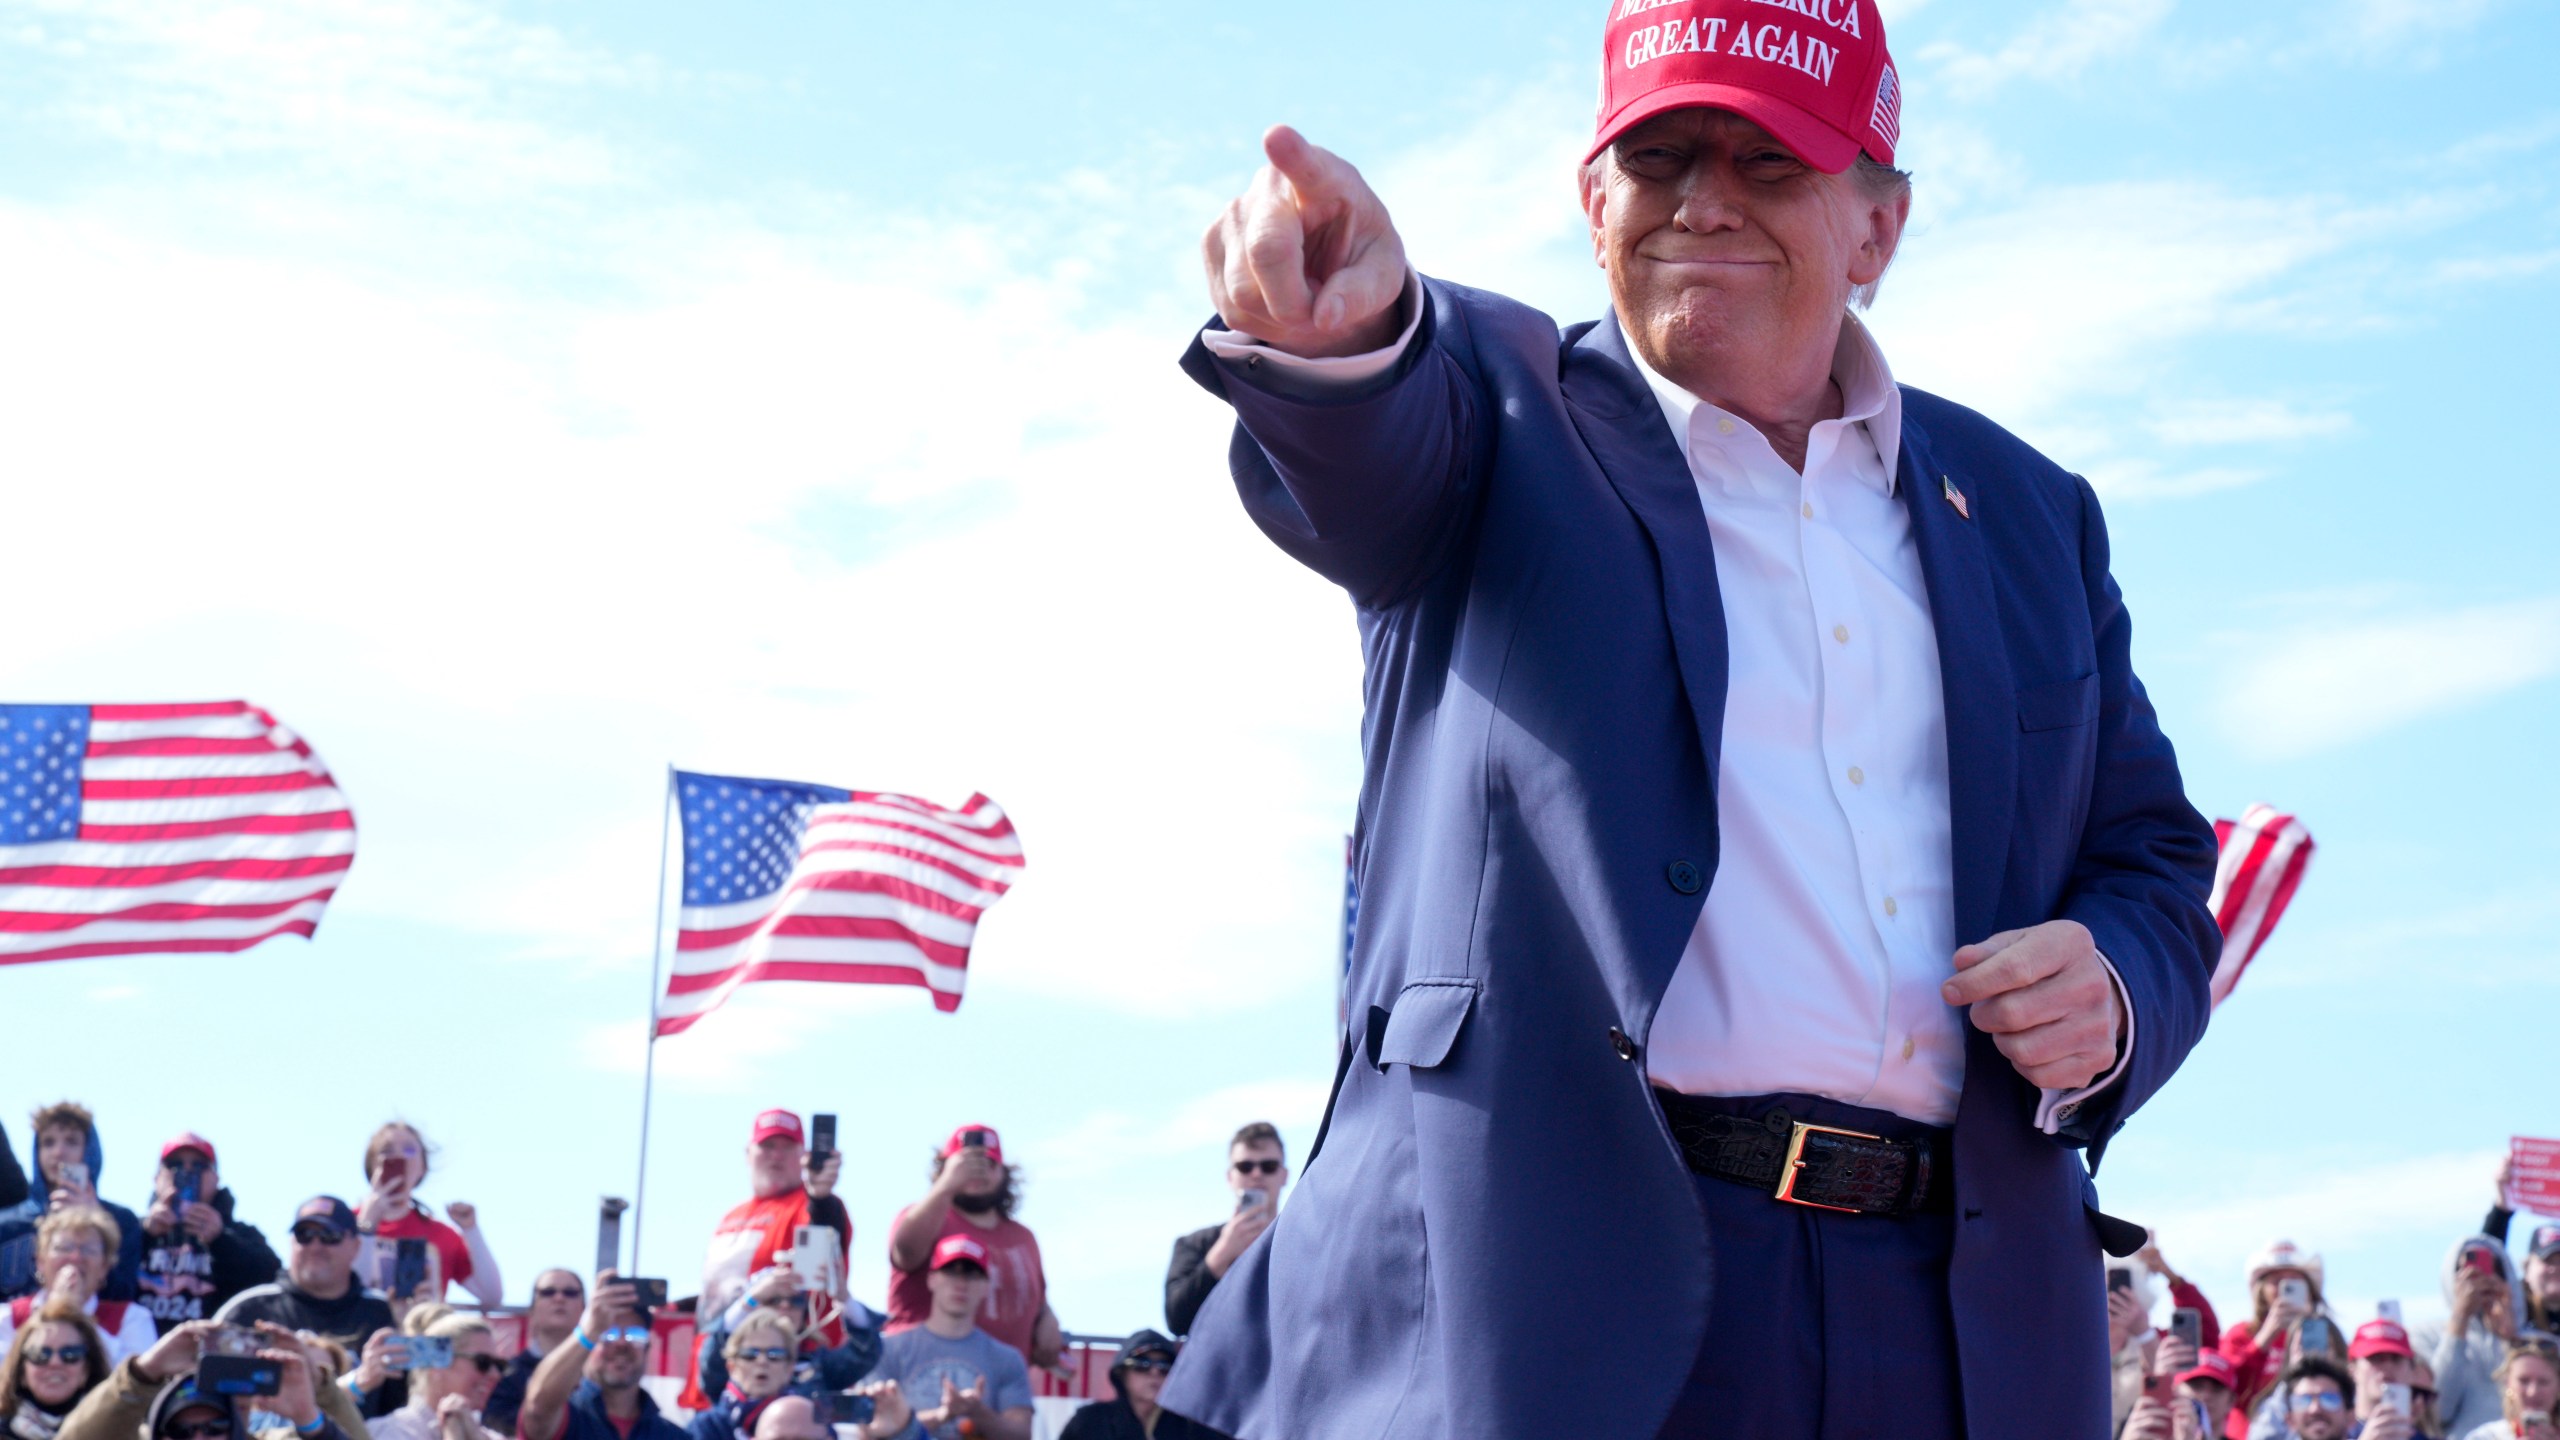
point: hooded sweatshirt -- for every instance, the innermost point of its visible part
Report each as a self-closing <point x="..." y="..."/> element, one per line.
<point x="2466" y="1393"/>
<point x="18" y="1236"/>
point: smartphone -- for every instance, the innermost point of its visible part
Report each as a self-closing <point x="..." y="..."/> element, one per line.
<point x="2387" y="1310"/>
<point x="838" y="1407"/>
<point x="822" y="1139"/>
<point x="817" y="1257"/>
<point x="2187" y="1323"/>
<point x="242" y="1374"/>
<point x="2120" y="1279"/>
<point x="609" y="1232"/>
<point x="408" y="1269"/>
<point x="2479" y="1255"/>
<point x="2397" y="1398"/>
<point x="2319" y="1337"/>
<point x="430" y="1352"/>
<point x="185" y="1190"/>
<point x="1247" y="1199"/>
<point x="2537" y="1427"/>
<point x="649" y="1295"/>
<point x="72" y="1175"/>
<point x="2295" y="1291"/>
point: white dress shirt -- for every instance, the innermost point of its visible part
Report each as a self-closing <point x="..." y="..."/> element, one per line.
<point x="1817" y="958"/>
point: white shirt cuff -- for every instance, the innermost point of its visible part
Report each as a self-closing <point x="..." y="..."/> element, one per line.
<point x="1329" y="371"/>
<point x="2056" y="1107"/>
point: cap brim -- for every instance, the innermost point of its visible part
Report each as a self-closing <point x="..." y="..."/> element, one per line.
<point x="1814" y="142"/>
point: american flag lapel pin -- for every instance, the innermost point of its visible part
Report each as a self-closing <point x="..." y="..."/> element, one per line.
<point x="1955" y="497"/>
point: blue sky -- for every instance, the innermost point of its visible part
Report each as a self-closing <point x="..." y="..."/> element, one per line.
<point x="517" y="398"/>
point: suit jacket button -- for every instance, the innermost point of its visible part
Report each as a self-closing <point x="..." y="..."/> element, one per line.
<point x="1685" y="877"/>
<point x="1619" y="1042"/>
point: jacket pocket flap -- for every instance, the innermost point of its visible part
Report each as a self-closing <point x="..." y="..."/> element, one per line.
<point x="1426" y="1021"/>
<point x="2059" y="705"/>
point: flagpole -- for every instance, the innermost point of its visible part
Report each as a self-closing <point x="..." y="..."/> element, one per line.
<point x="649" y="1066"/>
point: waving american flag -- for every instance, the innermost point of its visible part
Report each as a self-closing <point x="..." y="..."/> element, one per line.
<point x="786" y="881"/>
<point x="2264" y="853"/>
<point x="159" y="829"/>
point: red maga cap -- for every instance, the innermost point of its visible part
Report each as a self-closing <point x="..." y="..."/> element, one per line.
<point x="2214" y="1366"/>
<point x="2380" y="1337"/>
<point x="954" y="1145"/>
<point x="1814" y="73"/>
<point x="772" y="1123"/>
<point x="955" y="1248"/>
<point x="187" y="1140"/>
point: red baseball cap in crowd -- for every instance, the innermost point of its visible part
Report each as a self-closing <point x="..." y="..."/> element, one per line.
<point x="955" y="1248"/>
<point x="187" y="1140"/>
<point x="960" y="1140"/>
<point x="1814" y="73"/>
<point x="2380" y="1337"/>
<point x="775" y="1122"/>
<point x="2212" y="1366"/>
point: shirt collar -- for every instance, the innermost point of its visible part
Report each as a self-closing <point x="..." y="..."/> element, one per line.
<point x="1868" y="395"/>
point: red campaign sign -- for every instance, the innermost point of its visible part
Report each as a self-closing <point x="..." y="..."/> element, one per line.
<point x="2536" y="1186"/>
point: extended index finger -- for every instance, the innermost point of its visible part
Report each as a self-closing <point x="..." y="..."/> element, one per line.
<point x="1313" y="171"/>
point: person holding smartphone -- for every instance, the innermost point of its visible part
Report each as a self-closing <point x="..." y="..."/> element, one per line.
<point x="197" y="1253"/>
<point x="2528" y="1380"/>
<point x="1257" y="1169"/>
<point x="395" y="1164"/>
<point x="68" y="1157"/>
<point x="2484" y="1317"/>
<point x="974" y="1194"/>
<point x="2285" y="1284"/>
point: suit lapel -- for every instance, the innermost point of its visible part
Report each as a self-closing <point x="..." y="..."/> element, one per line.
<point x="1973" y="666"/>
<point x="1622" y="424"/>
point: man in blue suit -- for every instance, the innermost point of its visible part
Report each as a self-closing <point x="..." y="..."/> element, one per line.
<point x="1774" y="879"/>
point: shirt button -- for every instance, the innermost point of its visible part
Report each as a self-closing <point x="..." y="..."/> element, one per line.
<point x="1723" y="426"/>
<point x="1891" y="908"/>
<point x="1909" y="1044"/>
<point x="1857" y="776"/>
<point x="1619" y="1042"/>
<point x="1808" y="509"/>
<point x="1684" y="877"/>
<point x="1840" y="633"/>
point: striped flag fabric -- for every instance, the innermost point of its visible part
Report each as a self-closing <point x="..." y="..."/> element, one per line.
<point x="162" y="829"/>
<point x="786" y="881"/>
<point x="2263" y="855"/>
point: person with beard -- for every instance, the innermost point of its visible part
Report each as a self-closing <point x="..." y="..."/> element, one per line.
<point x="55" y="1359"/>
<point x="588" y="1386"/>
<point x="318" y="1292"/>
<point x="196" y="1255"/>
<point x="974" y="1194"/>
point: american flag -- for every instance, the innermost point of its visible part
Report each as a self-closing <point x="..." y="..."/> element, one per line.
<point x="2263" y="856"/>
<point x="785" y="881"/>
<point x="159" y="829"/>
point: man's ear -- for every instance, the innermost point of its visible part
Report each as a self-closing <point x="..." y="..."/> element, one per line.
<point x="1885" y="220"/>
<point x="1594" y="180"/>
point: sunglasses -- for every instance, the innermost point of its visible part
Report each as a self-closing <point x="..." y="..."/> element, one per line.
<point x="764" y="1352"/>
<point x="2322" y="1400"/>
<point x="627" y="1335"/>
<point x="1259" y="1167"/>
<point x="558" y="1292"/>
<point x="1152" y="1364"/>
<point x="320" y="1235"/>
<point x="74" y="1354"/>
<point x="486" y="1364"/>
<point x="213" y="1429"/>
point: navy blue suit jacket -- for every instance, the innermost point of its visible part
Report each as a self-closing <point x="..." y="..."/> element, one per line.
<point x="1497" y="1236"/>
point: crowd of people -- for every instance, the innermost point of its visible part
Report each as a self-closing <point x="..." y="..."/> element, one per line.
<point x="2292" y="1367"/>
<point x="182" y="1322"/>
<point x="111" y="1316"/>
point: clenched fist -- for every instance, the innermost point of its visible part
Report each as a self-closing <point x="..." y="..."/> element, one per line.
<point x="1306" y="259"/>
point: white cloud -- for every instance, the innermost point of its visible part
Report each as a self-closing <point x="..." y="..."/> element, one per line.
<point x="2058" y="44"/>
<point x="2137" y="481"/>
<point x="2243" y="421"/>
<point x="2299" y="691"/>
<point x="2492" y="269"/>
<point x="2410" y="28"/>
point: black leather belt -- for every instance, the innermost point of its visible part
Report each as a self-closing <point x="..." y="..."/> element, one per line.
<point x="1821" y="1166"/>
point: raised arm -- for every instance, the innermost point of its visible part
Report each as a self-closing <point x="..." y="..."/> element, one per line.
<point x="546" y="1396"/>
<point x="1354" y="446"/>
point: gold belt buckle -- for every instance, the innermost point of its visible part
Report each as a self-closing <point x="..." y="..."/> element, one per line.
<point x="1794" y="1166"/>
